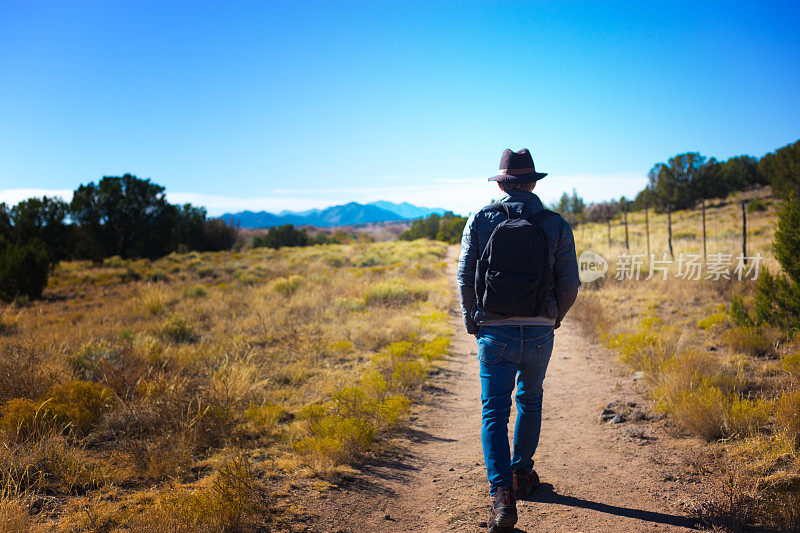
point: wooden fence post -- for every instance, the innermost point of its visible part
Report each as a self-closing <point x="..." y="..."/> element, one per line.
<point x="625" y="215"/>
<point x="647" y="228"/>
<point x="744" y="231"/>
<point x="703" y="210"/>
<point x="669" y="229"/>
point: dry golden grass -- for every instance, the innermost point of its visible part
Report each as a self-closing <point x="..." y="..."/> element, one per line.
<point x="179" y="384"/>
<point x="712" y="378"/>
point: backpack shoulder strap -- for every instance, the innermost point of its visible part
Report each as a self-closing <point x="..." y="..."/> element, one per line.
<point x="541" y="216"/>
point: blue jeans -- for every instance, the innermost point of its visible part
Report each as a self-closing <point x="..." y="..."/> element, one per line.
<point x="507" y="354"/>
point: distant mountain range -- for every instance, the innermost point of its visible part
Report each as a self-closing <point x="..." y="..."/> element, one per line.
<point x="338" y="215"/>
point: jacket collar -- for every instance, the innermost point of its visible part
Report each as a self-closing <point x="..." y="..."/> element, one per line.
<point x="526" y="197"/>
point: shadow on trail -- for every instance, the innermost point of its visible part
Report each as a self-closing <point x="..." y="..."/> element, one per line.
<point x="375" y="472"/>
<point x="547" y="494"/>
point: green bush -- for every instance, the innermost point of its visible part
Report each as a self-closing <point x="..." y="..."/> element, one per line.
<point x="447" y="227"/>
<point x="756" y="205"/>
<point x="739" y="313"/>
<point x="389" y="293"/>
<point x="178" y="329"/>
<point x="777" y="299"/>
<point x="281" y="236"/>
<point x="333" y="439"/>
<point x="23" y="270"/>
<point x="286" y="286"/>
<point x="196" y="291"/>
<point x="90" y="357"/>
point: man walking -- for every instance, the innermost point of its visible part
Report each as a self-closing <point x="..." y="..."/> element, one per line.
<point x="517" y="278"/>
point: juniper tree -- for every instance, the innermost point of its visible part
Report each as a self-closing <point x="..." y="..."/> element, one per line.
<point x="777" y="299"/>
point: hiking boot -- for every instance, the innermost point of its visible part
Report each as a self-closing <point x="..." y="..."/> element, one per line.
<point x="525" y="482"/>
<point x="503" y="515"/>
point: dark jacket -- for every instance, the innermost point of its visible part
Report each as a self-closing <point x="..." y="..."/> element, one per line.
<point x="563" y="284"/>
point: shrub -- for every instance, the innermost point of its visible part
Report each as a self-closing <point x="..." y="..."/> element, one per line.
<point x="196" y="291"/>
<point x="206" y="271"/>
<point x="408" y="375"/>
<point x="787" y="238"/>
<point x="791" y="363"/>
<point x="265" y="417"/>
<point x="787" y="415"/>
<point x="777" y="299"/>
<point x="79" y="404"/>
<point x="161" y="455"/>
<point x="152" y="298"/>
<point x="447" y="227"/>
<point x="747" y="417"/>
<point x="756" y="204"/>
<point x="115" y="261"/>
<point x="286" y="286"/>
<point x="19" y="417"/>
<point x="48" y="463"/>
<point x="400" y="366"/>
<point x="392" y="409"/>
<point x="248" y="279"/>
<point x="750" y="340"/>
<point x="391" y="293"/>
<point x="178" y="329"/>
<point x="23" y="270"/>
<point x="712" y="320"/>
<point x="8" y="321"/>
<point x="235" y="501"/>
<point x="435" y="349"/>
<point x="374" y="384"/>
<point x="692" y="368"/>
<point x="738" y="311"/>
<point x="700" y="410"/>
<point x="86" y="361"/>
<point x="352" y="402"/>
<point x="333" y="439"/>
<point x="129" y="275"/>
<point x="236" y="496"/>
<point x="212" y="425"/>
<point x="702" y="394"/>
<point x="15" y="515"/>
<point x="647" y="348"/>
<point x="156" y="276"/>
<point x="591" y="315"/>
<point x="23" y="371"/>
<point x="349" y="304"/>
<point x="75" y="405"/>
<point x="279" y="236"/>
<point x="341" y="347"/>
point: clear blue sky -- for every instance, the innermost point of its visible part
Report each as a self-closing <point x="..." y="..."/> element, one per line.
<point x="300" y="104"/>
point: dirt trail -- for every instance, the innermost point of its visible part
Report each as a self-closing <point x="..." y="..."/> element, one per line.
<point x="596" y="476"/>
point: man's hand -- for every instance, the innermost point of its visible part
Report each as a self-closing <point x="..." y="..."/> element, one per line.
<point x="472" y="327"/>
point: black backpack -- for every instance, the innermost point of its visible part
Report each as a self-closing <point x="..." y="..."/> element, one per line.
<point x="513" y="272"/>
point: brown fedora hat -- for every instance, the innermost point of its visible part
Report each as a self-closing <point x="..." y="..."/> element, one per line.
<point x="517" y="167"/>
